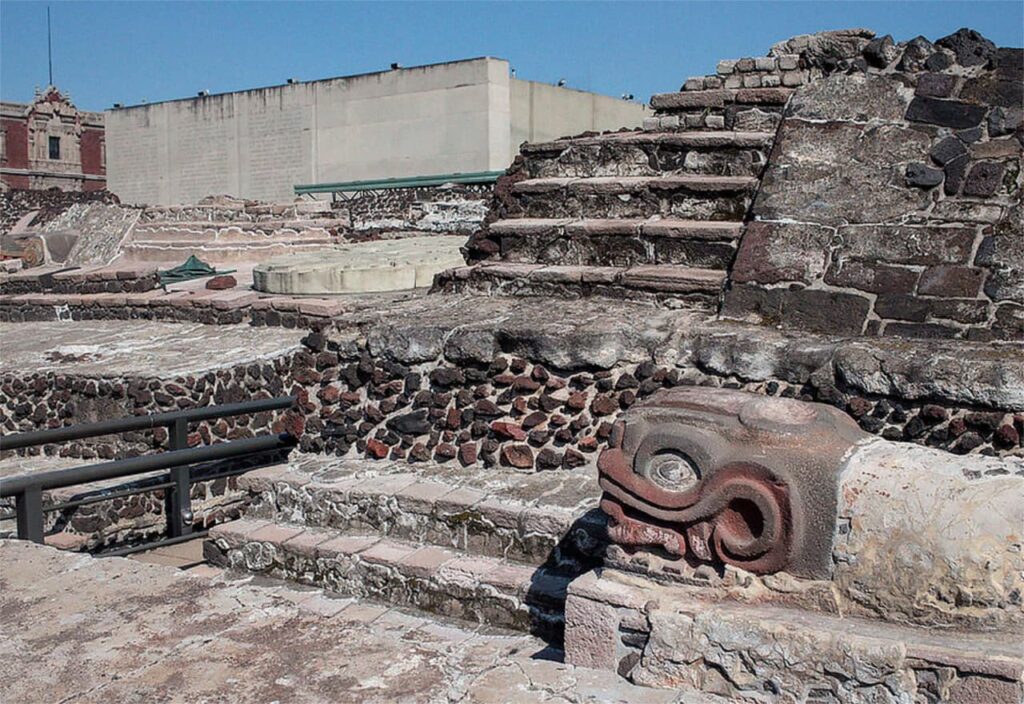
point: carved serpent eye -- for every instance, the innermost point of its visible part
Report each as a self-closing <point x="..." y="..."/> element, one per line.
<point x="671" y="470"/>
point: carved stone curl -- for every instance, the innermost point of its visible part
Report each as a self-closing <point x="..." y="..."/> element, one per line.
<point x="718" y="476"/>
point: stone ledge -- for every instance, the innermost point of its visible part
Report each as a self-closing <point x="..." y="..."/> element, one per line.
<point x="717" y="230"/>
<point x="680" y="639"/>
<point x="692" y="140"/>
<point x="532" y="518"/>
<point x="720" y="98"/>
<point x="632" y="184"/>
<point x="482" y="589"/>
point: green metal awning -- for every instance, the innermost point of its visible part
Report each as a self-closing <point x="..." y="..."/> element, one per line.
<point x="411" y="182"/>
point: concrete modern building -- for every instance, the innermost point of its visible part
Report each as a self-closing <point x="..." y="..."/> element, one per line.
<point x="461" y="117"/>
<point x="49" y="143"/>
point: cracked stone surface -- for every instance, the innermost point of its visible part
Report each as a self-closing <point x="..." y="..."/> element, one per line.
<point x="131" y="631"/>
<point x="123" y="347"/>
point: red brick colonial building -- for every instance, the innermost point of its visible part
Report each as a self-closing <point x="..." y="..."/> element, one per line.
<point x="49" y="143"/>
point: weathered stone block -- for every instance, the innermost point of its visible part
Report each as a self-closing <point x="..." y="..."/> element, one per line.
<point x="856" y="97"/>
<point x="984" y="178"/>
<point x="809" y="309"/>
<point x="902" y="307"/>
<point x="835" y="173"/>
<point x="936" y="85"/>
<point x="871" y="276"/>
<point x="945" y="113"/>
<point x="774" y="252"/>
<point x="947" y="150"/>
<point x="923" y="176"/>
<point x="907" y="244"/>
<point x="951" y="281"/>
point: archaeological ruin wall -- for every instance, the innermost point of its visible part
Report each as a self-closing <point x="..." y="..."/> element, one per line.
<point x="891" y="204"/>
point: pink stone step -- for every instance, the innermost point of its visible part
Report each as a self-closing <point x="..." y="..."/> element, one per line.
<point x="668" y="227"/>
<point x="719" y="98"/>
<point x="694" y="140"/>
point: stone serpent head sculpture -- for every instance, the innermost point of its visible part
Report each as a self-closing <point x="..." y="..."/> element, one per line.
<point x="722" y="477"/>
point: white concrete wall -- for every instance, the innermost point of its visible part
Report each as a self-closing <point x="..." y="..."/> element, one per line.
<point x="541" y="112"/>
<point x="461" y="116"/>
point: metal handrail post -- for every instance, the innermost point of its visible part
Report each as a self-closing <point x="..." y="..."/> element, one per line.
<point x="179" y="496"/>
<point x="29" y="507"/>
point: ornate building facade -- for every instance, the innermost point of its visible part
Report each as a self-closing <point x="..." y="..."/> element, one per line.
<point x="49" y="143"/>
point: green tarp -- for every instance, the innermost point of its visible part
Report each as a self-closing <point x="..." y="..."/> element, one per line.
<point x="193" y="268"/>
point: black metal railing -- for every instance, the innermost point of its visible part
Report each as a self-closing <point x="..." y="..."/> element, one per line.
<point x="27" y="489"/>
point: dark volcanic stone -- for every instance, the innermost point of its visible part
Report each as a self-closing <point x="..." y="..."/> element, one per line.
<point x="1004" y="121"/>
<point x="951" y="281"/>
<point x="945" y="113"/>
<point x="933" y="414"/>
<point x="445" y="451"/>
<point x="970" y="47"/>
<point x="447" y="377"/>
<point x="871" y="425"/>
<point x="902" y="307"/>
<point x="939" y="61"/>
<point x="573" y="459"/>
<point x="985" y="421"/>
<point x="871" y="277"/>
<point x="414" y="423"/>
<point x="486" y="408"/>
<point x="548" y="459"/>
<point x="968" y="441"/>
<point x="814" y="310"/>
<point x="947" y="150"/>
<point x="881" y="51"/>
<point x="955" y="172"/>
<point x="915" y="53"/>
<point x="1006" y="436"/>
<point x="467" y="453"/>
<point x="922" y="175"/>
<point x="936" y="85"/>
<point x="984" y="178"/>
<point x="419" y="453"/>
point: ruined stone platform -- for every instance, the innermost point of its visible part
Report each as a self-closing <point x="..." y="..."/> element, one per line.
<point x="131" y="631"/>
<point x="385" y="265"/>
<point x="119" y="348"/>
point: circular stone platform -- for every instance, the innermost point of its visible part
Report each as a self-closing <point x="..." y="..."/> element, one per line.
<point x="384" y="265"/>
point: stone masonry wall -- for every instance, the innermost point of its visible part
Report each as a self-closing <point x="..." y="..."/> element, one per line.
<point x="891" y="204"/>
<point x="452" y="209"/>
<point x="14" y="204"/>
<point x="396" y="390"/>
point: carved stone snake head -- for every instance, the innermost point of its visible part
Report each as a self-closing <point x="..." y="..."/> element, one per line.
<point x="727" y="477"/>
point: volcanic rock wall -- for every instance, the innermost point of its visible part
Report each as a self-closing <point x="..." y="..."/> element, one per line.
<point x="891" y="203"/>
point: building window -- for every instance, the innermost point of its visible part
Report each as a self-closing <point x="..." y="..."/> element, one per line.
<point x="55" y="148"/>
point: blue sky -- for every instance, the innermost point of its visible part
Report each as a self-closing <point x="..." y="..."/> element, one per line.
<point x="127" y="52"/>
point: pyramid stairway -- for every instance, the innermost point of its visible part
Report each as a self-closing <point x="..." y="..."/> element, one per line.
<point x="650" y="214"/>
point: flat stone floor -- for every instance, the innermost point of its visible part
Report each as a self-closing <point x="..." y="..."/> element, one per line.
<point x="82" y="629"/>
<point x="102" y="348"/>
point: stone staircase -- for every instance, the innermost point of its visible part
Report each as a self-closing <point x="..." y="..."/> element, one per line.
<point x="498" y="548"/>
<point x="652" y="214"/>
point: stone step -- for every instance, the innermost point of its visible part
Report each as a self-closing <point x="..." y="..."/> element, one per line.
<point x="688" y="196"/>
<point x="683" y="140"/>
<point x="652" y="283"/>
<point x="213" y="252"/>
<point x="719" y="98"/>
<point x="715" y="153"/>
<point x="449" y="582"/>
<point x="548" y="517"/>
<point x="626" y="242"/>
